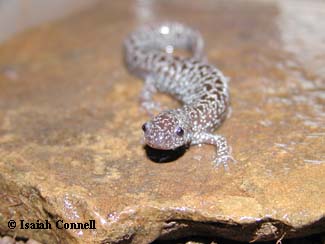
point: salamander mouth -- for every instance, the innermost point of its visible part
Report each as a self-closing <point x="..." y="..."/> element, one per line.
<point x="164" y="156"/>
<point x="158" y="146"/>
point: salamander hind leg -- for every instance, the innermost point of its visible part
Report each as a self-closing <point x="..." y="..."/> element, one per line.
<point x="223" y="151"/>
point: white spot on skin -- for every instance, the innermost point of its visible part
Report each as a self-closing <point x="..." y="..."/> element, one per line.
<point x="164" y="30"/>
<point x="169" y="49"/>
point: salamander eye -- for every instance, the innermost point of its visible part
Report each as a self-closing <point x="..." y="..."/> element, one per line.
<point x="179" y="131"/>
<point x="144" y="127"/>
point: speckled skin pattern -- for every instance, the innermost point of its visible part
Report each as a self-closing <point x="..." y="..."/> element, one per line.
<point x="200" y="86"/>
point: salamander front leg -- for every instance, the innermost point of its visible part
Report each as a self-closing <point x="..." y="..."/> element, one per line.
<point x="146" y="97"/>
<point x="223" y="156"/>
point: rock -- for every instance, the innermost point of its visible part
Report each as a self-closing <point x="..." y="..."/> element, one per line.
<point x="31" y="241"/>
<point x="70" y="129"/>
<point x="7" y="240"/>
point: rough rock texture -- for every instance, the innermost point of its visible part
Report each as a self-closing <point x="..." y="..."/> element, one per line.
<point x="70" y="137"/>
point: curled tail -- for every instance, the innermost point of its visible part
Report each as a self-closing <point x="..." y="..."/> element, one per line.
<point x="150" y="40"/>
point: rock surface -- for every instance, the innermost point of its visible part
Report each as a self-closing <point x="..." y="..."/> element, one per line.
<point x="70" y="137"/>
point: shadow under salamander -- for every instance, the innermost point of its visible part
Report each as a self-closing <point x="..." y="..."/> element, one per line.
<point x="164" y="156"/>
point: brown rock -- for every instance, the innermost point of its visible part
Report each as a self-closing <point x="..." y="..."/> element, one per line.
<point x="70" y="137"/>
<point x="7" y="240"/>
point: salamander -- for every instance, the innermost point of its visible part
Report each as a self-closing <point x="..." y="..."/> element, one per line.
<point x="198" y="85"/>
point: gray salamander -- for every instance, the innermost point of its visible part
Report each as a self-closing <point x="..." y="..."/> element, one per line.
<point x="200" y="86"/>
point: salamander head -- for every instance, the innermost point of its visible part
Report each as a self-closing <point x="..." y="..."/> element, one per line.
<point x="168" y="130"/>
